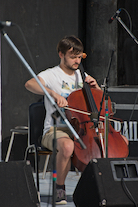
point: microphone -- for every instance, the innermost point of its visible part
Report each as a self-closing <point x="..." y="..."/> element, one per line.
<point x="113" y="17"/>
<point x="5" y="23"/>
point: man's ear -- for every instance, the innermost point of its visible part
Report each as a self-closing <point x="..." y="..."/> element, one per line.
<point x="61" y="55"/>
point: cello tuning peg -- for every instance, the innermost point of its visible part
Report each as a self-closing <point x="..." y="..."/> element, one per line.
<point x="84" y="55"/>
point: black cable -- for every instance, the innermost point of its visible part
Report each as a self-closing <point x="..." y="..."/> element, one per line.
<point x="133" y="108"/>
<point x="130" y="21"/>
<point x="132" y="112"/>
<point x="26" y="44"/>
<point x="127" y="192"/>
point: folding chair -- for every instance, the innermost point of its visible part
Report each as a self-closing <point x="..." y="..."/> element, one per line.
<point x="35" y="130"/>
<point x="17" y="130"/>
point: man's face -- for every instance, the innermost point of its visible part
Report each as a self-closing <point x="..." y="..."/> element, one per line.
<point x="72" y="61"/>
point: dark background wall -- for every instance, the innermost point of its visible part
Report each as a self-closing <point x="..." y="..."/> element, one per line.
<point x="44" y="23"/>
<point x="101" y="39"/>
<point x="127" y="48"/>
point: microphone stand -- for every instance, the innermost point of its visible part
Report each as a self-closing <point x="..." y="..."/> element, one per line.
<point x="105" y="86"/>
<point x="126" y="28"/>
<point x="54" y="116"/>
<point x="46" y="93"/>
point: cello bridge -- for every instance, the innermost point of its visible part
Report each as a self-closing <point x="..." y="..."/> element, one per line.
<point x="100" y="125"/>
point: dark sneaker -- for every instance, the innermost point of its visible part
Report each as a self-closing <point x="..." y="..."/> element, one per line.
<point x="60" y="197"/>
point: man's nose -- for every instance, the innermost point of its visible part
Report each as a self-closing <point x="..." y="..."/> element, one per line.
<point x="77" y="60"/>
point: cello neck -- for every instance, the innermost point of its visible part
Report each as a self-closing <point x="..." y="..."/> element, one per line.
<point x="88" y="95"/>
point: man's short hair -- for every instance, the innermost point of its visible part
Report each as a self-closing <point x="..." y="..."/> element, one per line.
<point x="69" y="42"/>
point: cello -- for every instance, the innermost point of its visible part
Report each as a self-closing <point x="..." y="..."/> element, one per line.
<point x="90" y="127"/>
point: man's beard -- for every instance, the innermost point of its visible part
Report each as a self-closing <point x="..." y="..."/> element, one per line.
<point x="69" y="66"/>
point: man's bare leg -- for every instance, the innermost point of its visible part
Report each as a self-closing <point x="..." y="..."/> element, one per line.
<point x="65" y="147"/>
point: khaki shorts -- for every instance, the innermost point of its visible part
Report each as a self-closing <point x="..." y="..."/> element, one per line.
<point x="47" y="139"/>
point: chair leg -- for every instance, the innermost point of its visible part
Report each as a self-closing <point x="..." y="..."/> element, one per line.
<point x="45" y="166"/>
<point x="26" y="153"/>
<point x="37" y="173"/>
<point x="9" y="148"/>
<point x="36" y="164"/>
<point x="36" y="169"/>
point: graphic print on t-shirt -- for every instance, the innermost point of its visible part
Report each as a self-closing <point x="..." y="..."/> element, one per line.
<point x="65" y="85"/>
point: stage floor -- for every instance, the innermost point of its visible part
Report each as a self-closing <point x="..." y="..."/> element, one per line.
<point x="46" y="188"/>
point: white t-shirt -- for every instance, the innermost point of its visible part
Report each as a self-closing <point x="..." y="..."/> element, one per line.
<point x="57" y="80"/>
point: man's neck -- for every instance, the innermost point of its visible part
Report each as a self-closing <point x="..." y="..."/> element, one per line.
<point x="67" y="70"/>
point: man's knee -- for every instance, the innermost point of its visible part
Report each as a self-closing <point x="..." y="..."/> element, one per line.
<point x="66" y="146"/>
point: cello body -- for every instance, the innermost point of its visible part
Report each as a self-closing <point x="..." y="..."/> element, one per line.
<point x="117" y="147"/>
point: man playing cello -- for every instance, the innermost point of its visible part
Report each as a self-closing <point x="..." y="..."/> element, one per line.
<point x="60" y="81"/>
